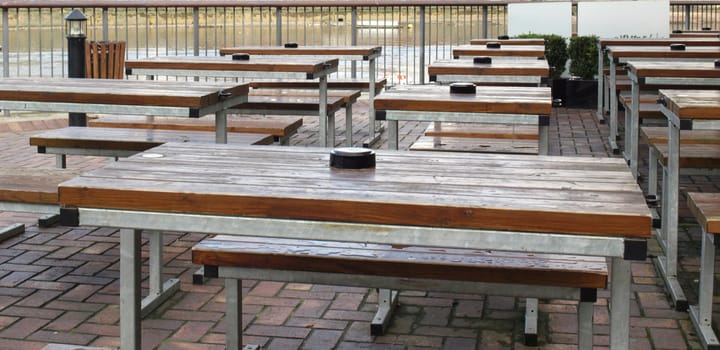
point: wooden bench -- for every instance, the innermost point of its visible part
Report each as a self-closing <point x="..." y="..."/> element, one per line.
<point x="649" y="108"/>
<point x="32" y="190"/>
<point x="402" y="268"/>
<point x="300" y="102"/>
<point x="117" y="142"/>
<point x="346" y="84"/>
<point x="281" y="128"/>
<point x="705" y="207"/>
<point x="472" y="137"/>
<point x="699" y="153"/>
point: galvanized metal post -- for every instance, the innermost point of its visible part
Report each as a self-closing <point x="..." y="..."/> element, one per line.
<point x="421" y="39"/>
<point x="485" y="21"/>
<point x="278" y="26"/>
<point x="353" y="39"/>
<point x="6" y="43"/>
<point x="105" y="25"/>
<point x="687" y="16"/>
<point x="196" y="31"/>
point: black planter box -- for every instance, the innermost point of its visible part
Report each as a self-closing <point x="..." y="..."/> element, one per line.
<point x="558" y="89"/>
<point x="580" y="93"/>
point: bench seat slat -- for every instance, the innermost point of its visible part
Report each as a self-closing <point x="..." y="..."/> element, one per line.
<point x="467" y="144"/>
<point x="132" y="139"/>
<point x="474" y="130"/>
<point x="37" y="185"/>
<point x="659" y="134"/>
<point x="276" y="126"/>
<point x="410" y="262"/>
<point x="706" y="209"/>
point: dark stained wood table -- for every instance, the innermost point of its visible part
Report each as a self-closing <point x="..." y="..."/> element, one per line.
<point x="497" y="72"/>
<point x="513" y="51"/>
<point x="351" y="53"/>
<point x="557" y="205"/>
<point x="110" y="96"/>
<point x="279" y="67"/>
<point x="489" y="104"/>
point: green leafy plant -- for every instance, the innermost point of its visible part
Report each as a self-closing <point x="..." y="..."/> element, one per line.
<point x="583" y="52"/>
<point x="555" y="51"/>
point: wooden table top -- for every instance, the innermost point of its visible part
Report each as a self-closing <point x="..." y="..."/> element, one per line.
<point x="706" y="209"/>
<point x="505" y="50"/>
<point x="679" y="69"/>
<point x="487" y="99"/>
<point x="696" y="34"/>
<point x="513" y="41"/>
<point x="692" y="104"/>
<point x="525" y="67"/>
<point x="660" y="42"/>
<point x="663" y="52"/>
<point x="303" y="64"/>
<point x="119" y="92"/>
<point x="365" y="51"/>
<point x="574" y="195"/>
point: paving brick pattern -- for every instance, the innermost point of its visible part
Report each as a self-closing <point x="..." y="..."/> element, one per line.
<point x="59" y="285"/>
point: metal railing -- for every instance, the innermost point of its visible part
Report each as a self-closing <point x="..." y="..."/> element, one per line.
<point x="412" y="33"/>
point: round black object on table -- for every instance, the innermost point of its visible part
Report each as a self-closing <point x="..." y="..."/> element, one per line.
<point x="493" y="45"/>
<point x="463" y="88"/>
<point x="482" y="59"/>
<point x="717" y="63"/>
<point x="241" y="56"/>
<point x="291" y="45"/>
<point x="677" y="47"/>
<point x="352" y="158"/>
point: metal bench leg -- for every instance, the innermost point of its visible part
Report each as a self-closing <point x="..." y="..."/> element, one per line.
<point x="348" y="125"/>
<point x="393" y="134"/>
<point x="671" y="184"/>
<point x="11" y="231"/>
<point x="620" y="304"/>
<point x="543" y="141"/>
<point x="612" y="138"/>
<point x="652" y="176"/>
<point x="159" y="291"/>
<point x="233" y="316"/>
<point x="387" y="300"/>
<point x="531" y="321"/>
<point x="585" y="325"/>
<point x="60" y="161"/>
<point x="130" y="289"/>
<point x="701" y="314"/>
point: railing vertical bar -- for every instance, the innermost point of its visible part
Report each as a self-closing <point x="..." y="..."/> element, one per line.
<point x="6" y="42"/>
<point x="196" y="31"/>
<point x="485" y="21"/>
<point x="421" y="42"/>
<point x="278" y="26"/>
<point x="687" y="17"/>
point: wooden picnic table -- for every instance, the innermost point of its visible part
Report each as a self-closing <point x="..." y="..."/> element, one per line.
<point x="514" y="51"/>
<point x="352" y="53"/>
<point x="109" y="96"/>
<point x="604" y="43"/>
<point x="490" y="104"/>
<point x="664" y="73"/>
<point x="557" y="205"/>
<point x="500" y="72"/>
<point x="298" y="67"/>
<point x="621" y="54"/>
<point x="683" y="109"/>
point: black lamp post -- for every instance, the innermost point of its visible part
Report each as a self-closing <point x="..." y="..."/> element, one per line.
<point x="76" y="27"/>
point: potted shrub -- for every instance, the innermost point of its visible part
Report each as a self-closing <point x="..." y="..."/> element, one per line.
<point x="556" y="54"/>
<point x="582" y="86"/>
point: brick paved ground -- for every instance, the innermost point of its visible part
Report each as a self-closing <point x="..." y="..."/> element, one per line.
<point x="60" y="285"/>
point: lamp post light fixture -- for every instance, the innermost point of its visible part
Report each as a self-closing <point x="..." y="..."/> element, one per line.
<point x="76" y="29"/>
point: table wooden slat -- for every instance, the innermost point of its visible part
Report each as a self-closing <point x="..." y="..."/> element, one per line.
<point x="304" y="50"/>
<point x="678" y="69"/>
<point x="529" y="67"/>
<point x="487" y="99"/>
<point x="118" y="92"/>
<point x="215" y="63"/>
<point x="505" y="50"/>
<point x="692" y="104"/>
<point x="392" y="193"/>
